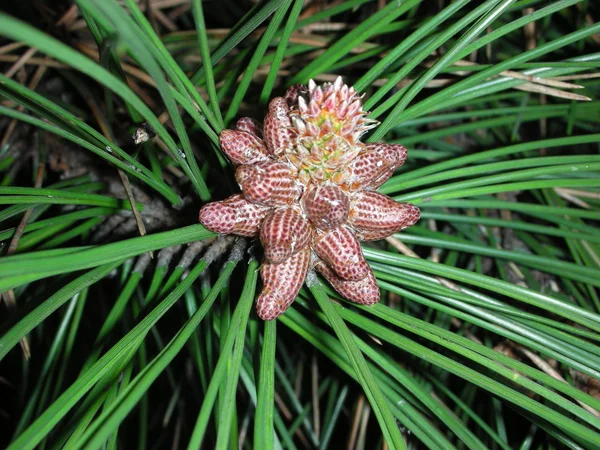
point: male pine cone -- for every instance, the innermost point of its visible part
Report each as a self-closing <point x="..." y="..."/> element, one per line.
<point x="308" y="190"/>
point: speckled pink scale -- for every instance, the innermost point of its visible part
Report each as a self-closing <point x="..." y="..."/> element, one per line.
<point x="340" y="249"/>
<point x="293" y="93"/>
<point x="249" y="125"/>
<point x="376" y="216"/>
<point x="308" y="186"/>
<point x="242" y="147"/>
<point x="374" y="165"/>
<point x="326" y="206"/>
<point x="283" y="233"/>
<point x="281" y="283"/>
<point x="234" y="215"/>
<point x="277" y="130"/>
<point x="268" y="183"/>
<point x="365" y="291"/>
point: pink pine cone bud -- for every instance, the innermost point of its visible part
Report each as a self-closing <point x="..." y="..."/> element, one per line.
<point x="308" y="189"/>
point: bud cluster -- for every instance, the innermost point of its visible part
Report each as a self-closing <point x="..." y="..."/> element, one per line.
<point x="308" y="191"/>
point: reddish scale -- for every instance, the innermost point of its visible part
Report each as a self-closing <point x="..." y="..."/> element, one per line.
<point x="281" y="283"/>
<point x="326" y="206"/>
<point x="376" y="216"/>
<point x="249" y="126"/>
<point x="268" y="183"/>
<point x="283" y="233"/>
<point x="234" y="215"/>
<point x="374" y="165"/>
<point x="365" y="291"/>
<point x="242" y="147"/>
<point x="340" y="249"/>
<point x="293" y="92"/>
<point x="307" y="184"/>
<point x="276" y="129"/>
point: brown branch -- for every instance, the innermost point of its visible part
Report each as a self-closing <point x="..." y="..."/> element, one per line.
<point x="20" y="62"/>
